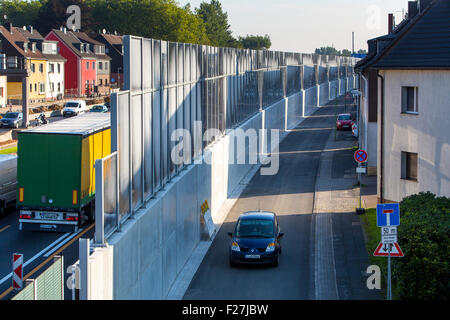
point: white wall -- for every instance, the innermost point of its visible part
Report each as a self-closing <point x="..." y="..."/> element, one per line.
<point x="55" y="78"/>
<point x="427" y="133"/>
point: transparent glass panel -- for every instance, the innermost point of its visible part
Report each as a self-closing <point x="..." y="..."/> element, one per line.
<point x="124" y="155"/>
<point x="136" y="114"/>
<point x="110" y="194"/>
<point x="148" y="146"/>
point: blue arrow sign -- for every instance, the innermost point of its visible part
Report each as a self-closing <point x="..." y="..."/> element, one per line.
<point x="388" y="214"/>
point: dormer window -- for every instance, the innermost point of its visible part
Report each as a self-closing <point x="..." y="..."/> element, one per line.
<point x="33" y="47"/>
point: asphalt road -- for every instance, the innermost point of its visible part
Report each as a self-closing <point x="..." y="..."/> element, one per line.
<point x="290" y="194"/>
<point x="36" y="247"/>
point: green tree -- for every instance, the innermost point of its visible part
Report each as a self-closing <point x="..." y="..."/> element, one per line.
<point x="346" y="53"/>
<point x="328" y="51"/>
<point x="216" y="22"/>
<point x="424" y="272"/>
<point x="53" y="15"/>
<point x="362" y="51"/>
<point x="255" y="42"/>
<point x="158" y="19"/>
<point x="19" y="13"/>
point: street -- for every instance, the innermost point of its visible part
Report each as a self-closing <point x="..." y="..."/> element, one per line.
<point x="291" y="194"/>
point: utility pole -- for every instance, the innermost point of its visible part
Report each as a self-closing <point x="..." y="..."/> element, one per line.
<point x="353" y="42"/>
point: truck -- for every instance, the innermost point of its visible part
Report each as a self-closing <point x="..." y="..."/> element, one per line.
<point x="8" y="181"/>
<point x="56" y="174"/>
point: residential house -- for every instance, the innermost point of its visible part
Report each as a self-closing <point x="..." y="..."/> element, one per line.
<point x="55" y="62"/>
<point x="19" y="49"/>
<point x="3" y="91"/>
<point x="102" y="84"/>
<point x="114" y="48"/>
<point x="80" y="68"/>
<point x="413" y="103"/>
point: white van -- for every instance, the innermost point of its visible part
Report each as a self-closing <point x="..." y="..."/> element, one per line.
<point x="74" y="108"/>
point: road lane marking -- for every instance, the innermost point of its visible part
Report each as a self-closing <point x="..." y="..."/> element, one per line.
<point x="48" y="259"/>
<point x="3" y="229"/>
<point x="61" y="244"/>
<point x="38" y="255"/>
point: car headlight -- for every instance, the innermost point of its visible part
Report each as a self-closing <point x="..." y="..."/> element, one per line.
<point x="235" y="247"/>
<point x="270" y="247"/>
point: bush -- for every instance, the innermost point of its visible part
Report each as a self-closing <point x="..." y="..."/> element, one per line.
<point x="423" y="234"/>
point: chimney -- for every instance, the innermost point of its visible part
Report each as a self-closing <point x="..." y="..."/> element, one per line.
<point x="391" y="23"/>
<point x="10" y="27"/>
<point x="423" y="4"/>
<point x="30" y="28"/>
<point x="412" y="9"/>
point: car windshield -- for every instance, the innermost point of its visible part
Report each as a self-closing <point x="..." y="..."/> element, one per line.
<point x="345" y="117"/>
<point x="253" y="228"/>
<point x="97" y="108"/>
<point x="71" y="105"/>
<point x="13" y="115"/>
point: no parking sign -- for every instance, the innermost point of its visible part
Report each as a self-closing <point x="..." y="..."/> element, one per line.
<point x="361" y="156"/>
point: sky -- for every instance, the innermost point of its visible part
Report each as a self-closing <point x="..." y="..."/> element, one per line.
<point x="304" y="25"/>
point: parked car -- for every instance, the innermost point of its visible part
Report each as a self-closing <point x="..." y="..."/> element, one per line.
<point x="344" y="122"/>
<point x="12" y="120"/>
<point x="256" y="239"/>
<point x="74" y="108"/>
<point x="99" y="108"/>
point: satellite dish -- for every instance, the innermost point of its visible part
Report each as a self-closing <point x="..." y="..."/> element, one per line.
<point x="104" y="31"/>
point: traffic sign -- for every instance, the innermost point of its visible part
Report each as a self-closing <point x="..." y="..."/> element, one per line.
<point x="361" y="156"/>
<point x="348" y="96"/>
<point x="388" y="214"/>
<point x="389" y="235"/>
<point x="17" y="279"/>
<point x="388" y="249"/>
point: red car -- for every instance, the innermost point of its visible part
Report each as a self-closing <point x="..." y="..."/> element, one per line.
<point x="344" y="122"/>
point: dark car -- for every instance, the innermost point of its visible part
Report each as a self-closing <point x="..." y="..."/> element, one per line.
<point x="344" y="122"/>
<point x="12" y="120"/>
<point x="256" y="239"/>
<point x="99" y="108"/>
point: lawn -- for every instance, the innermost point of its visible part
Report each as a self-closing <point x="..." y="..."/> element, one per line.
<point x="9" y="150"/>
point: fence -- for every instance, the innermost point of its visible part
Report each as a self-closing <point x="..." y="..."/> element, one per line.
<point x="183" y="94"/>
<point x="47" y="286"/>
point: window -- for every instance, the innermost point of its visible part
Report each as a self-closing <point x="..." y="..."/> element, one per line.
<point x="409" y="166"/>
<point x="87" y="65"/>
<point x="33" y="67"/>
<point x="52" y="87"/>
<point x="100" y="65"/>
<point x="106" y="82"/>
<point x="59" y="68"/>
<point x="59" y="87"/>
<point x="41" y="88"/>
<point x="35" y="87"/>
<point x="31" y="87"/>
<point x="51" y="67"/>
<point x="1" y="92"/>
<point x="409" y="100"/>
<point x="100" y="82"/>
<point x="41" y="67"/>
<point x="93" y="65"/>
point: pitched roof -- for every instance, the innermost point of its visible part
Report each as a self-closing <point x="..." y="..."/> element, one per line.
<point x="85" y="38"/>
<point x="425" y="43"/>
<point x="27" y="34"/>
<point x="112" y="39"/>
<point x="15" y="37"/>
<point x="71" y="40"/>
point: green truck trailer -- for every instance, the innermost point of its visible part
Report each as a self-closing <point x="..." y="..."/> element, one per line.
<point x="55" y="172"/>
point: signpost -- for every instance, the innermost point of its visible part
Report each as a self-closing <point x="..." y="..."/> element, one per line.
<point x="388" y="218"/>
<point x="17" y="278"/>
<point x="360" y="157"/>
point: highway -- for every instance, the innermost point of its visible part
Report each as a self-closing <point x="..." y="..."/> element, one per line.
<point x="291" y="195"/>
<point x="37" y="247"/>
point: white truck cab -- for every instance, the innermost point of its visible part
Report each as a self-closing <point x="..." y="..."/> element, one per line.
<point x="74" y="108"/>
